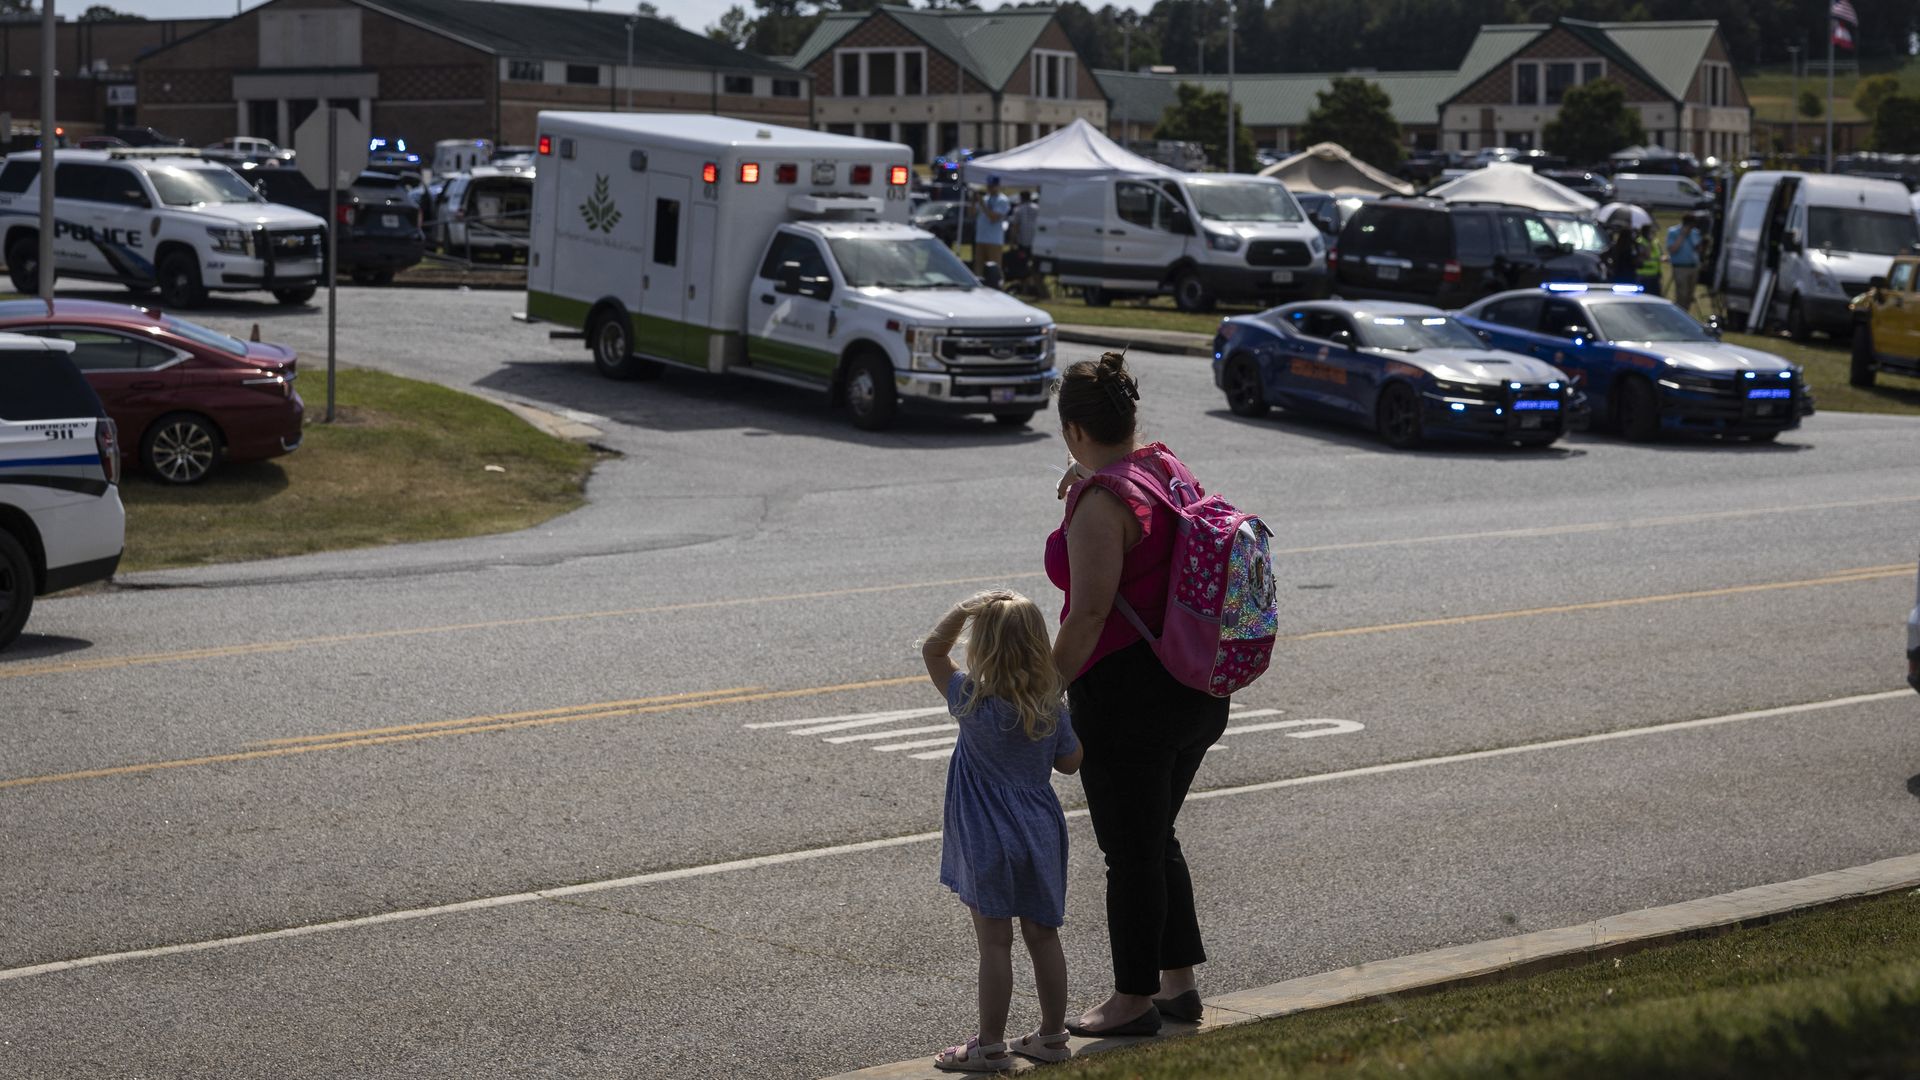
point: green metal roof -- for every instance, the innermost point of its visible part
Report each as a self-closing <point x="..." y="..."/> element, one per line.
<point x="1278" y="100"/>
<point x="1492" y="47"/>
<point x="550" y="33"/>
<point x="991" y="46"/>
<point x="1670" y="52"/>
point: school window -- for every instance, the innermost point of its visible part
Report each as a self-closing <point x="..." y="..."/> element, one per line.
<point x="1546" y="82"/>
<point x="666" y="232"/>
<point x="583" y="74"/>
<point x="786" y="88"/>
<point x="1526" y="84"/>
<point x="1053" y="74"/>
<point x="527" y="70"/>
<point x="736" y="84"/>
<point x="1590" y="70"/>
<point x="881" y="73"/>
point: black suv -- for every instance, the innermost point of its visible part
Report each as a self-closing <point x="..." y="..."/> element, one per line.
<point x="1449" y="254"/>
<point x="382" y="233"/>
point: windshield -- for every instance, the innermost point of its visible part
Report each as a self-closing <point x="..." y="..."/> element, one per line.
<point x="212" y="339"/>
<point x="1583" y="235"/>
<point x="1415" y="332"/>
<point x="1831" y="228"/>
<point x="899" y="264"/>
<point x="1630" y="321"/>
<point x="193" y="187"/>
<point x="1243" y="202"/>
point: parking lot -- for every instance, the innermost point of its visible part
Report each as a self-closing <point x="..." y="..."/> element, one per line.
<point x="655" y="788"/>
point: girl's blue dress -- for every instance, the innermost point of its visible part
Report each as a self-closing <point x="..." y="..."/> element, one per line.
<point x="1003" y="848"/>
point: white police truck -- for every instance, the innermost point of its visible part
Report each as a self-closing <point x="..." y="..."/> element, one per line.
<point x="722" y="245"/>
<point x="61" y="524"/>
<point x="166" y="219"/>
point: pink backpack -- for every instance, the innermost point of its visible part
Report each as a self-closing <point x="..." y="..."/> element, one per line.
<point x="1222" y="612"/>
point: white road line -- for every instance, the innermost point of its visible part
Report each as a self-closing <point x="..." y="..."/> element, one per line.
<point x="844" y="725"/>
<point x="896" y="714"/>
<point x="918" y="744"/>
<point x="867" y="735"/>
<point x="930" y="756"/>
<point x="1250" y="714"/>
<point x="810" y="854"/>
<point x="1337" y="727"/>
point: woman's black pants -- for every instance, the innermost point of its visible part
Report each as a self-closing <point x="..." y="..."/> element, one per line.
<point x="1145" y="736"/>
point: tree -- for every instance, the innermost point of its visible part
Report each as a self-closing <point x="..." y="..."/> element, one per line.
<point x="1358" y="115"/>
<point x="650" y="10"/>
<point x="1896" y="125"/>
<point x="733" y="27"/>
<point x="1811" y="106"/>
<point x="1200" y="116"/>
<point x="103" y="13"/>
<point x="1594" y="121"/>
<point x="1871" y="91"/>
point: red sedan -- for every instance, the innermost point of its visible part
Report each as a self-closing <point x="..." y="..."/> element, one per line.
<point x="184" y="397"/>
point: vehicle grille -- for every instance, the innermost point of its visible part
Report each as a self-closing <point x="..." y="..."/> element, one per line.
<point x="1278" y="253"/>
<point x="997" y="348"/>
<point x="295" y="244"/>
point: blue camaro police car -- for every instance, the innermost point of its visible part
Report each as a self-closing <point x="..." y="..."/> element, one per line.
<point x="1645" y="365"/>
<point x="1407" y="371"/>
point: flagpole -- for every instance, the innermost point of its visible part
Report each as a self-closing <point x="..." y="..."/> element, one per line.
<point x="1830" y="36"/>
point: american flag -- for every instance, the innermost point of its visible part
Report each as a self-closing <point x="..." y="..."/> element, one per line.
<point x="1842" y="35"/>
<point x="1843" y="11"/>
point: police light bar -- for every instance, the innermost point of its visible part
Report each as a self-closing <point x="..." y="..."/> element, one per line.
<point x="1580" y="287"/>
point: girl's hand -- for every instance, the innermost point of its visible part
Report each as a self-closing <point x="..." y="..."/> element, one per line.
<point x="1075" y="473"/>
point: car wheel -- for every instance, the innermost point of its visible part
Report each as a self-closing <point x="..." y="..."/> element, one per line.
<point x="1191" y="294"/>
<point x="180" y="285"/>
<point x="372" y="277"/>
<point x="1241" y="381"/>
<point x="23" y="266"/>
<point x="16" y="588"/>
<point x="1016" y="418"/>
<point x="1638" y="411"/>
<point x="1860" y="371"/>
<point x="870" y="393"/>
<point x="1797" y="327"/>
<point x="1397" y="416"/>
<point x="296" y="296"/>
<point x="180" y="448"/>
<point x="610" y="335"/>
<point x="1095" y="296"/>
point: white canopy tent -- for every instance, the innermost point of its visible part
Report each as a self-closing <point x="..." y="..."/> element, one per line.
<point x="1516" y="185"/>
<point x="1076" y="151"/>
<point x="1330" y="169"/>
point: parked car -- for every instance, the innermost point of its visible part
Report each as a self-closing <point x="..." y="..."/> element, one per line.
<point x="145" y="136"/>
<point x="1886" y="327"/>
<point x="246" y="149"/>
<point x="1329" y="212"/>
<point x="1660" y="192"/>
<point x="98" y="142"/>
<point x="184" y="398"/>
<point x="1425" y="166"/>
<point x="61" y="523"/>
<point x="485" y="212"/>
<point x="1645" y="365"/>
<point x="1447" y="254"/>
<point x="379" y="226"/>
<point x="1803" y="245"/>
<point x="1407" y="371"/>
<point x="1593" y="185"/>
<point x="942" y="219"/>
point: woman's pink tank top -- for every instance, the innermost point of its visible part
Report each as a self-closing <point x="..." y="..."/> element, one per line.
<point x="1144" y="572"/>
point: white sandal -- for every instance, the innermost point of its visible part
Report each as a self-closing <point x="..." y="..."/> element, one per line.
<point x="974" y="1057"/>
<point x="1042" y="1047"/>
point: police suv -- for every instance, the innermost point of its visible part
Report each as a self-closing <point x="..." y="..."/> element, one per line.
<point x="61" y="524"/>
<point x="158" y="218"/>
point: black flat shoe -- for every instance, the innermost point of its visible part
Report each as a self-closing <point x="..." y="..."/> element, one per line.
<point x="1184" y="1006"/>
<point x="1147" y="1023"/>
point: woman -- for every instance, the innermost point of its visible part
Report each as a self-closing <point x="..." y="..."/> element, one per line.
<point x="1144" y="733"/>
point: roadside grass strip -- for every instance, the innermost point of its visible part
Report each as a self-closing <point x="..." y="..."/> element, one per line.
<point x="404" y="461"/>
<point x="1833" y="992"/>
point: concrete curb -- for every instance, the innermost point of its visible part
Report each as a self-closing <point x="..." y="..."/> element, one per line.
<point x="569" y="425"/>
<point x="1504" y="958"/>
<point x="1119" y="337"/>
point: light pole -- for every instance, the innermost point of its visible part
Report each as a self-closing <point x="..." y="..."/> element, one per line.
<point x="959" y="150"/>
<point x="1231" y="133"/>
<point x="48" y="136"/>
<point x="632" y="21"/>
<point x="1126" y="66"/>
<point x="1793" y="139"/>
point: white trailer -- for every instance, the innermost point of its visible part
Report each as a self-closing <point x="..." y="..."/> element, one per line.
<point x="722" y="245"/>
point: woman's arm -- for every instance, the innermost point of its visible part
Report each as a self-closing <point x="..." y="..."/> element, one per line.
<point x="1096" y="548"/>
<point x="937" y="650"/>
<point x="1069" y="762"/>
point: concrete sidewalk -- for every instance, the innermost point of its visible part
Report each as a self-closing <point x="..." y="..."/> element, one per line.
<point x="1502" y="958"/>
<point x="1178" y="342"/>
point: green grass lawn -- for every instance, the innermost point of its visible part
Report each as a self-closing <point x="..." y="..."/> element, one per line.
<point x="404" y="461"/>
<point x="1770" y="90"/>
<point x="1829" y="993"/>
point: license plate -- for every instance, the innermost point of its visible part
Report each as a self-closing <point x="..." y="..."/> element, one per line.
<point x="389" y="221"/>
<point x="1529" y="423"/>
<point x="1283" y="277"/>
<point x="1388" y="273"/>
<point x="1001" y="394"/>
<point x="1763" y="410"/>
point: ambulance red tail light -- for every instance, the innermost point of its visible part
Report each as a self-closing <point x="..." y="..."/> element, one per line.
<point x="546" y="145"/>
<point x="862" y="174"/>
<point x="786" y="174"/>
<point x="897" y="176"/>
<point x="709" y="173"/>
<point x="749" y="172"/>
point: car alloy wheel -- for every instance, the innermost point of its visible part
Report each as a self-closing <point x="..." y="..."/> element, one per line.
<point x="1399" y="416"/>
<point x="870" y="394"/>
<point x="16" y="588"/>
<point x="182" y="450"/>
<point x="1244" y="394"/>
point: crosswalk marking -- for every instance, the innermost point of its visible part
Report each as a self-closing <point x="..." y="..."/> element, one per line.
<point x="843" y="725"/>
<point x="919" y="744"/>
<point x="895" y="714"/>
<point x="868" y="735"/>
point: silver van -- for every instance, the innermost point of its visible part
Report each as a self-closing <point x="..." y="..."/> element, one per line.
<point x="1797" y="247"/>
<point x="1657" y="191"/>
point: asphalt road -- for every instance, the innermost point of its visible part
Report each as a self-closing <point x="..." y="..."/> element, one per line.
<point x="619" y="701"/>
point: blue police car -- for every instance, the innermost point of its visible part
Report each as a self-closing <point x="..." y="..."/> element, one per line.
<point x="1645" y="365"/>
<point x="1407" y="371"/>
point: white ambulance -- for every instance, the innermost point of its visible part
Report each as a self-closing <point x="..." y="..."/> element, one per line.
<point x="723" y="245"/>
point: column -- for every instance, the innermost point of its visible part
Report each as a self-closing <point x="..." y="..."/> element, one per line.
<point x="240" y="119"/>
<point x="366" y="114"/>
<point x="280" y="118"/>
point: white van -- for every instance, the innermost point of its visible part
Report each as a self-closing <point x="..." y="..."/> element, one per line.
<point x="1200" y="237"/>
<point x="458" y="155"/>
<point x="722" y="245"/>
<point x="1659" y="191"/>
<point x="1799" y="246"/>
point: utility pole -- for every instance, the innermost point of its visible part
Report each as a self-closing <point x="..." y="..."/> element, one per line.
<point x="1829" y="146"/>
<point x="1231" y="132"/>
<point x="1793" y="138"/>
<point x="1126" y="66"/>
<point x="48" y="27"/>
<point x="632" y="21"/>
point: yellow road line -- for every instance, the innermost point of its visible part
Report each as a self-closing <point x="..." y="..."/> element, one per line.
<point x="473" y="728"/>
<point x="1840" y="577"/>
<point x="431" y="725"/>
<point x="107" y="663"/>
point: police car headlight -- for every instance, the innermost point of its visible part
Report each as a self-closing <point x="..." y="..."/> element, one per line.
<point x="1223" y="241"/>
<point x="1466" y="389"/>
<point x="232" y="241"/>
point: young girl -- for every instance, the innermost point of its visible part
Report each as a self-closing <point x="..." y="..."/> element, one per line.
<point x="1004" y="848"/>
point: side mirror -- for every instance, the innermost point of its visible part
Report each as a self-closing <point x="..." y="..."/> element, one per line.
<point x="1577" y="332"/>
<point x="1714" y="328"/>
<point x="1876" y="283"/>
<point x="1790" y="241"/>
<point x="1179" y="221"/>
<point x="789" y="278"/>
<point x="1566" y="248"/>
<point x="1342" y="338"/>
